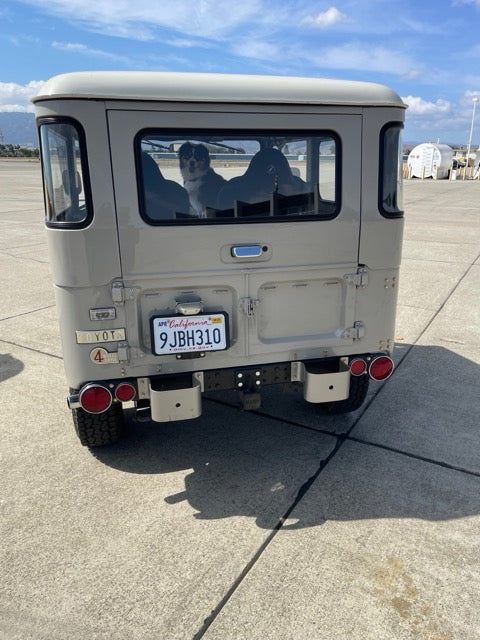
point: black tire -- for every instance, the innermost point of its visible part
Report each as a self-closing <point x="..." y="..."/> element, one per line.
<point x="357" y="395"/>
<point x="99" y="429"/>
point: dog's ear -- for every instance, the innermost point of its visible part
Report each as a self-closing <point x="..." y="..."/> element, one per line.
<point x="185" y="150"/>
<point x="201" y="153"/>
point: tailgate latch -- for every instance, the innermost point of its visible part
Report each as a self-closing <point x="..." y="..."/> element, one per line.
<point x="248" y="306"/>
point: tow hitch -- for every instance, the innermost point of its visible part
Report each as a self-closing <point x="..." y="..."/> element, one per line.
<point x="248" y="383"/>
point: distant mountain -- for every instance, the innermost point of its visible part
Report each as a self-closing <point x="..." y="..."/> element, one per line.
<point x="18" y="128"/>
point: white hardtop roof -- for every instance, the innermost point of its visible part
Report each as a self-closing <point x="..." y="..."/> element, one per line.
<point x="214" y="87"/>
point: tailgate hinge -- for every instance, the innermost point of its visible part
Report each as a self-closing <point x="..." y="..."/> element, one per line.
<point x="118" y="292"/>
<point x="248" y="306"/>
<point x="356" y="332"/>
<point x="121" y="293"/>
<point x="359" y="279"/>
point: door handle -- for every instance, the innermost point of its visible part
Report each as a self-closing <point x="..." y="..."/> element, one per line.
<point x="247" y="251"/>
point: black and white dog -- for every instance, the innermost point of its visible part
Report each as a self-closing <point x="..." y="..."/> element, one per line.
<point x="199" y="179"/>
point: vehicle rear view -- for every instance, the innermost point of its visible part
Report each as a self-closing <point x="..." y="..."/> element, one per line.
<point x="213" y="232"/>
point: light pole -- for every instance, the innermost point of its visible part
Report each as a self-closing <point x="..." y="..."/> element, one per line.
<point x="474" y="100"/>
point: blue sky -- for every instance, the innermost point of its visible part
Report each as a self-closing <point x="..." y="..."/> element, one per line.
<point x="428" y="51"/>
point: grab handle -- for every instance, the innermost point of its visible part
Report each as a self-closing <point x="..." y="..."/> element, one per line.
<point x="247" y="251"/>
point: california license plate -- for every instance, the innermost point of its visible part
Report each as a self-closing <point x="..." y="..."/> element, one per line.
<point x="187" y="334"/>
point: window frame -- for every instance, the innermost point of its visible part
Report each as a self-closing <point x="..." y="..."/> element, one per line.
<point x="197" y="133"/>
<point x="66" y="224"/>
<point x="381" y="169"/>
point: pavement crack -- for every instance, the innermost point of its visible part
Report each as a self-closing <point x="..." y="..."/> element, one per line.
<point x="22" y="346"/>
<point x="414" y="456"/>
<point x="26" y="313"/>
<point x="24" y="257"/>
<point x="215" y="612"/>
<point x="340" y="439"/>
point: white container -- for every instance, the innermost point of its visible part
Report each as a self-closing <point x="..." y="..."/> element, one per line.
<point x="429" y="160"/>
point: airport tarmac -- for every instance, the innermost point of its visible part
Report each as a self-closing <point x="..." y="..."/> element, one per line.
<point x="277" y="524"/>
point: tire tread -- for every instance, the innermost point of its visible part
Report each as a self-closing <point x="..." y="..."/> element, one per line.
<point x="100" y="429"/>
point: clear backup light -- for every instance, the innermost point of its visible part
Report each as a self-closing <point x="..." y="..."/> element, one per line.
<point x="125" y="392"/>
<point x="358" y="366"/>
<point x="95" y="398"/>
<point x="381" y="368"/>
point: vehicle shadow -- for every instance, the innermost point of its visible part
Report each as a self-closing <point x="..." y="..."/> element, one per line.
<point x="259" y="466"/>
<point x="9" y="366"/>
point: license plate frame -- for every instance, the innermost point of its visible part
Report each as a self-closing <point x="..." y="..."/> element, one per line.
<point x="207" y="332"/>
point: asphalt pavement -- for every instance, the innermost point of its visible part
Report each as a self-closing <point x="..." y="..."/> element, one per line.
<point x="276" y="524"/>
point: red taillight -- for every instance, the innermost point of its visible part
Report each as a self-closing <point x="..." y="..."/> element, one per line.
<point x="125" y="392"/>
<point x="95" y="399"/>
<point x="358" y="367"/>
<point x="381" y="368"/>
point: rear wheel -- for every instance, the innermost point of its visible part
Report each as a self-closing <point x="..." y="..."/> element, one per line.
<point x="99" y="429"/>
<point x="356" y="397"/>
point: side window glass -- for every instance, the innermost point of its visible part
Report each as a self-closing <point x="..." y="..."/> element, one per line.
<point x="199" y="178"/>
<point x="63" y="173"/>
<point x="390" y="178"/>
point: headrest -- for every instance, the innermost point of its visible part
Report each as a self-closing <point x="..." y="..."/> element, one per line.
<point x="270" y="162"/>
<point x="150" y="171"/>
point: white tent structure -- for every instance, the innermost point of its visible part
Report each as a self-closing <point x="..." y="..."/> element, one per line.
<point x="428" y="160"/>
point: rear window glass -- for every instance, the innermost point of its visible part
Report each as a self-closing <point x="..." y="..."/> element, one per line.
<point x="391" y="170"/>
<point x="64" y="173"/>
<point x="192" y="177"/>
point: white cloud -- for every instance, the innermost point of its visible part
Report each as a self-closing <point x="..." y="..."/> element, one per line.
<point x="325" y="19"/>
<point x="251" y="48"/>
<point x="475" y="2"/>
<point x="185" y="43"/>
<point x="419" y="107"/>
<point x="137" y="19"/>
<point x="425" y="28"/>
<point x="471" y="94"/>
<point x="73" y="47"/>
<point x="364" y="57"/>
<point x="16" y="97"/>
<point x="253" y="29"/>
<point x="412" y="74"/>
<point x="352" y="56"/>
<point x="467" y="103"/>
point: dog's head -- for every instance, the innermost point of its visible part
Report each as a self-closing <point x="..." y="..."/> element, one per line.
<point x="194" y="160"/>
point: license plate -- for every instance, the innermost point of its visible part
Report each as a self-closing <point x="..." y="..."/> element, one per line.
<point x="187" y="334"/>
